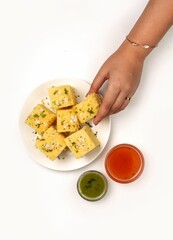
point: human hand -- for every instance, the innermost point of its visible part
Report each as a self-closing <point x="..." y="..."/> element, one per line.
<point x="123" y="70"/>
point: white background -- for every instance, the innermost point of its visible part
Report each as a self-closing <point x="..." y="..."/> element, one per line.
<point x="44" y="40"/>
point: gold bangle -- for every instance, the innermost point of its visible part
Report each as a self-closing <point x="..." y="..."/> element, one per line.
<point x="135" y="44"/>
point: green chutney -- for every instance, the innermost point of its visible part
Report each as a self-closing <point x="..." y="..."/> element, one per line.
<point x="92" y="185"/>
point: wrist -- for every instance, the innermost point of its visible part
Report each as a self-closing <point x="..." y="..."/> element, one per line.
<point x="141" y="45"/>
<point x="135" y="51"/>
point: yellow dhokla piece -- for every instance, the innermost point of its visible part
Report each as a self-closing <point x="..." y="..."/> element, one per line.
<point x="67" y="120"/>
<point x="41" y="118"/>
<point x="88" y="108"/>
<point x="51" y="144"/>
<point x="62" y="96"/>
<point x="82" y="141"/>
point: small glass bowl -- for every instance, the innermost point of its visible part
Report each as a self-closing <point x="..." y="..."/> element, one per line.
<point x="124" y="163"/>
<point x="92" y="185"/>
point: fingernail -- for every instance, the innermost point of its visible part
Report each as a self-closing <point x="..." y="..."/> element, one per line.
<point x="96" y="122"/>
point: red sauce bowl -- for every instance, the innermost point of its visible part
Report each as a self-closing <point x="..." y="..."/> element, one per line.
<point x="124" y="163"/>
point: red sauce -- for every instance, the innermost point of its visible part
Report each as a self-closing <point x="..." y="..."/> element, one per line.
<point x="124" y="163"/>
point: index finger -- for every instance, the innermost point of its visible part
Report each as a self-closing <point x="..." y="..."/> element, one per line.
<point x="108" y="101"/>
<point x="98" y="81"/>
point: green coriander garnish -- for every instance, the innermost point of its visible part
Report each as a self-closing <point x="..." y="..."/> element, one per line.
<point x="90" y="110"/>
<point x="43" y="114"/>
<point x="65" y="91"/>
<point x="62" y="122"/>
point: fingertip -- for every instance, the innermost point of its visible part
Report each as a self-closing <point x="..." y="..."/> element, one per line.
<point x="96" y="120"/>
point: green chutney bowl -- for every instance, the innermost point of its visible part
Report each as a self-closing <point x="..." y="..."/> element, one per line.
<point x="92" y="185"/>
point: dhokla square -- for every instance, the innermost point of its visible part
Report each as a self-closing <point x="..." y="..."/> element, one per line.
<point x="82" y="142"/>
<point x="88" y="108"/>
<point x="62" y="96"/>
<point x="67" y="120"/>
<point x="41" y="118"/>
<point x="51" y="144"/>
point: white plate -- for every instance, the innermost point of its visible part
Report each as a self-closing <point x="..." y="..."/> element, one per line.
<point x="67" y="161"/>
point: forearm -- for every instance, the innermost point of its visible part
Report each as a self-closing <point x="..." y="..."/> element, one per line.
<point x="124" y="67"/>
<point x="152" y="25"/>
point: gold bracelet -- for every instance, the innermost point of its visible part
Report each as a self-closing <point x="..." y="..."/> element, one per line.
<point x="135" y="44"/>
